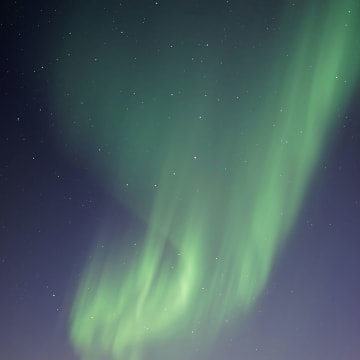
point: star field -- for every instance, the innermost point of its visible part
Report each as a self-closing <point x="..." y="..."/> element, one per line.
<point x="179" y="180"/>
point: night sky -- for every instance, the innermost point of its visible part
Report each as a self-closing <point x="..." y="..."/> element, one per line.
<point x="180" y="180"/>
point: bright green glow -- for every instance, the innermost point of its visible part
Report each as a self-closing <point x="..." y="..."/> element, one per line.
<point x="229" y="183"/>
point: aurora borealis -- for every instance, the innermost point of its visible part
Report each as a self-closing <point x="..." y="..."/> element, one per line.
<point x="218" y="185"/>
<point x="206" y="124"/>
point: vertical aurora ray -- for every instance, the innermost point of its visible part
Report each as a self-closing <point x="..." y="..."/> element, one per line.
<point x="219" y="183"/>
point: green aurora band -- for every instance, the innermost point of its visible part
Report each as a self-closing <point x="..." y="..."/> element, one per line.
<point x="218" y="183"/>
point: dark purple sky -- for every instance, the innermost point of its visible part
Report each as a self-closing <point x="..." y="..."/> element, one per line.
<point x="51" y="204"/>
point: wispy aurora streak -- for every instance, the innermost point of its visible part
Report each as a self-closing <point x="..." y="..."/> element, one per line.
<point x="219" y="186"/>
